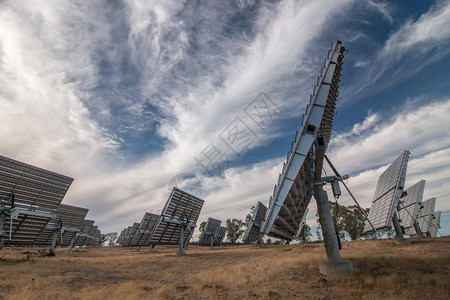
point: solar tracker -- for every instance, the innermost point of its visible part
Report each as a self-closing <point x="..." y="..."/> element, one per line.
<point x="221" y="234"/>
<point x="177" y="221"/>
<point x="409" y="206"/>
<point x="210" y="233"/>
<point x="130" y="234"/>
<point x="120" y="238"/>
<point x="253" y="232"/>
<point x="32" y="193"/>
<point x="387" y="193"/>
<point x="425" y="216"/>
<point x="435" y="224"/>
<point x="144" y="230"/>
<point x="67" y="222"/>
<point x="294" y="189"/>
<point x="82" y="237"/>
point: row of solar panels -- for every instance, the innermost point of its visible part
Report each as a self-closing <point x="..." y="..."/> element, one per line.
<point x="140" y="234"/>
<point x="416" y="217"/>
<point x="31" y="210"/>
<point x="180" y="214"/>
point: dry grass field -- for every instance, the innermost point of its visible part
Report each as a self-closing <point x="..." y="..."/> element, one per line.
<point x="382" y="270"/>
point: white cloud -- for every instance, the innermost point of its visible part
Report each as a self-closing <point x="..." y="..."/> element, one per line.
<point x="421" y="130"/>
<point x="409" y="49"/>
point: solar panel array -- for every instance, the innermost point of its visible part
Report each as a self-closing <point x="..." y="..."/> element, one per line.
<point x="181" y="207"/>
<point x="435" y="224"/>
<point x="212" y="232"/>
<point x="294" y="189"/>
<point x="252" y="233"/>
<point x="426" y="215"/>
<point x="89" y="234"/>
<point x="68" y="221"/>
<point x="32" y="197"/>
<point x="37" y="193"/>
<point x="410" y="204"/>
<point x="387" y="193"/>
<point x="141" y="237"/>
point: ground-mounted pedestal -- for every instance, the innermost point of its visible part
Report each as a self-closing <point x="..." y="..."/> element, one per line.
<point x="334" y="264"/>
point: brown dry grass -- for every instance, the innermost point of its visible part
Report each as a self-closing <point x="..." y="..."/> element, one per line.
<point x="382" y="270"/>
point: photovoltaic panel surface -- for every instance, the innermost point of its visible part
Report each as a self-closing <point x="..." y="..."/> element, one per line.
<point x="83" y="237"/>
<point x="67" y="216"/>
<point x="426" y="215"/>
<point x="252" y="233"/>
<point x="37" y="193"/>
<point x="409" y="205"/>
<point x="146" y="226"/>
<point x="180" y="207"/>
<point x="210" y="232"/>
<point x="130" y="234"/>
<point x="435" y="224"/>
<point x="31" y="185"/>
<point x="293" y="191"/>
<point x="387" y="193"/>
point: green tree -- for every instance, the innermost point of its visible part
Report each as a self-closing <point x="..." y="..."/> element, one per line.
<point x="202" y="226"/>
<point x="350" y="220"/>
<point x="101" y="239"/>
<point x="110" y="238"/>
<point x="250" y="214"/>
<point x="234" y="230"/>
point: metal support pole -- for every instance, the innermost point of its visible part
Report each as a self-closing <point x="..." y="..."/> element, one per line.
<point x="181" y="252"/>
<point x="55" y="238"/>
<point x="2" y="223"/>
<point x="150" y="249"/>
<point x="335" y="264"/>
<point x="138" y="249"/>
<point x="419" y="232"/>
<point x="261" y="243"/>
<point x="72" y="242"/>
<point x="398" y="231"/>
<point x="212" y="243"/>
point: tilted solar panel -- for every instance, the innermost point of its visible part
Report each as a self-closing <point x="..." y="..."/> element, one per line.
<point x="146" y="226"/>
<point x="253" y="231"/>
<point x="409" y="205"/>
<point x="130" y="234"/>
<point x="36" y="194"/>
<point x="435" y="224"/>
<point x="387" y="193"/>
<point x="83" y="237"/>
<point x="210" y="232"/>
<point x="294" y="189"/>
<point x="425" y="216"/>
<point x="69" y="218"/>
<point x="181" y="207"/>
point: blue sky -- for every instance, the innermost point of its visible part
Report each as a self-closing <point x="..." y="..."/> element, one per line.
<point x="125" y="95"/>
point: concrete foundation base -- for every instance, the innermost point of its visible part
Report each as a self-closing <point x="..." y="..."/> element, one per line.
<point x="181" y="253"/>
<point x="402" y="241"/>
<point x="328" y="267"/>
